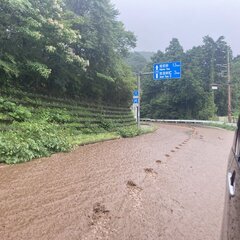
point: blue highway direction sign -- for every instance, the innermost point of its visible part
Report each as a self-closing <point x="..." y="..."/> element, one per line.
<point x="135" y="100"/>
<point x="135" y="93"/>
<point x="169" y="70"/>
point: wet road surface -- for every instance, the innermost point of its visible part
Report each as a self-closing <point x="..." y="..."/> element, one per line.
<point x="166" y="185"/>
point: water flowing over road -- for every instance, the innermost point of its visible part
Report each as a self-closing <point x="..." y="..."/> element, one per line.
<point x="166" y="185"/>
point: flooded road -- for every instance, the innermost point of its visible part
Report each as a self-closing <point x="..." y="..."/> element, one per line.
<point x="166" y="185"/>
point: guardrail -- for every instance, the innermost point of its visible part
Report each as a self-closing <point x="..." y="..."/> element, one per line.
<point x="204" y="122"/>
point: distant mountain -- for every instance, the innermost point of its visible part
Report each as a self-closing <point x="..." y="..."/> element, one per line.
<point x="138" y="60"/>
<point x="147" y="55"/>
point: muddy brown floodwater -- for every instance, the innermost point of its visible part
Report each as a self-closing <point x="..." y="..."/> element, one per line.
<point x="165" y="185"/>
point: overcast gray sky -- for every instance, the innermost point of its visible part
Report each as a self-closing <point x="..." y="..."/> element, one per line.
<point x="156" y="22"/>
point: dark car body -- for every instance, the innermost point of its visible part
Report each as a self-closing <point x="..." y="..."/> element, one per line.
<point x="231" y="220"/>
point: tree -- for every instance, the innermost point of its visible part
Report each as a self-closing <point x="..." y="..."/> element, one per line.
<point x="104" y="43"/>
<point x="187" y="97"/>
<point x="236" y="85"/>
<point x="174" y="52"/>
<point x="39" y="42"/>
<point x="65" y="47"/>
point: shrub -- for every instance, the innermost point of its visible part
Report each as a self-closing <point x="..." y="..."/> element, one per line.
<point x="16" y="112"/>
<point x="131" y="131"/>
<point x="52" y="115"/>
<point x="106" y="124"/>
<point x="50" y="126"/>
<point x="32" y="140"/>
<point x="20" y="114"/>
<point x="59" y="116"/>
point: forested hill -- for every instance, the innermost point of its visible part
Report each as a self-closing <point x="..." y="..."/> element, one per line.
<point x="70" y="48"/>
<point x="78" y="49"/>
<point x="192" y="97"/>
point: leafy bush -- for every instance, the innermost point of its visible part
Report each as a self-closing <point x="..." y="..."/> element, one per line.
<point x="53" y="115"/>
<point x="20" y="114"/>
<point x="131" y="131"/>
<point x="32" y="140"/>
<point x="106" y="124"/>
<point x="59" y="116"/>
<point x="17" y="113"/>
<point x="6" y="105"/>
<point x="48" y="127"/>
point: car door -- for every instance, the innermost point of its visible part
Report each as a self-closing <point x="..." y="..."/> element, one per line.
<point x="231" y="223"/>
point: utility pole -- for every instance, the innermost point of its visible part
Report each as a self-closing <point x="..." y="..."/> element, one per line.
<point x="229" y="90"/>
<point x="228" y="84"/>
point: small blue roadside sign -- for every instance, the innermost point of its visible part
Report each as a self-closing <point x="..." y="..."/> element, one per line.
<point x="135" y="100"/>
<point x="135" y="93"/>
<point x="168" y="70"/>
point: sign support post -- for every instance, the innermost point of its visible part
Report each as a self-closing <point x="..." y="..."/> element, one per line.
<point x="161" y="71"/>
<point x="139" y="99"/>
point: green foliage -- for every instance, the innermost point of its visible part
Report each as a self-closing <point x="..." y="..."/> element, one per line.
<point x="65" y="47"/>
<point x="105" y="42"/>
<point x="147" y="55"/>
<point x="13" y="111"/>
<point x="133" y="131"/>
<point x="208" y="109"/>
<point x="39" y="68"/>
<point x="81" y="139"/>
<point x="224" y="126"/>
<point x="106" y="124"/>
<point x="20" y="114"/>
<point x="40" y="131"/>
<point x="8" y="68"/>
<point x="136" y="61"/>
<point x="31" y="140"/>
<point x="174" y="51"/>
<point x="191" y="97"/>
<point x="59" y="116"/>
<point x="236" y="85"/>
<point x="129" y="131"/>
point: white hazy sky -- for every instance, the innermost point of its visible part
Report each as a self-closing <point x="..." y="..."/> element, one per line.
<point x="156" y="22"/>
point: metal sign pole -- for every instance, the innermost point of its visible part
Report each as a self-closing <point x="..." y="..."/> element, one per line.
<point x="139" y="99"/>
<point x="162" y="71"/>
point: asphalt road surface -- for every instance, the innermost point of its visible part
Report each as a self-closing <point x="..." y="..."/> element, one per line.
<point x="166" y="185"/>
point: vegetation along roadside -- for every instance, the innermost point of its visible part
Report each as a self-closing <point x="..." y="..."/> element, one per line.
<point x="39" y="126"/>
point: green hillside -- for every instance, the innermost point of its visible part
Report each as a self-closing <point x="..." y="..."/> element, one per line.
<point x="33" y="126"/>
<point x="57" y="60"/>
<point x="147" y="55"/>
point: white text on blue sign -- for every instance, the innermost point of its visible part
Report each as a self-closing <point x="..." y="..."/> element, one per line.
<point x="170" y="70"/>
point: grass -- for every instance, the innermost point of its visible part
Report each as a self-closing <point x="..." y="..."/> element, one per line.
<point x="223" y="126"/>
<point x="145" y="128"/>
<point x="38" y="139"/>
<point x="83" y="139"/>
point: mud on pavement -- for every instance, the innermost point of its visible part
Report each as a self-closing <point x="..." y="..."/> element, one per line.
<point x="166" y="185"/>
